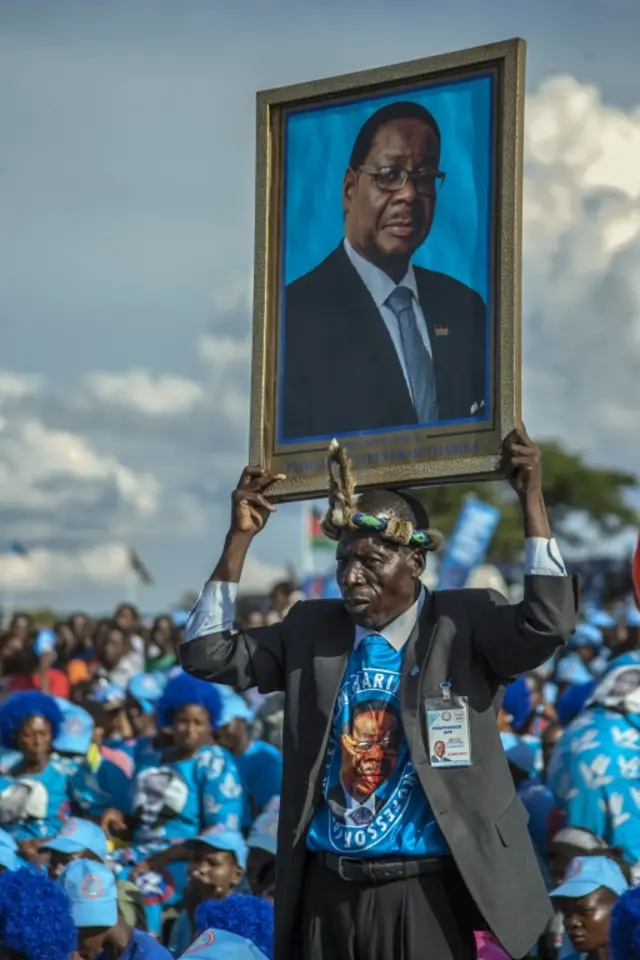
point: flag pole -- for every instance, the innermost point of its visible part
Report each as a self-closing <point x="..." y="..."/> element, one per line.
<point x="306" y="548"/>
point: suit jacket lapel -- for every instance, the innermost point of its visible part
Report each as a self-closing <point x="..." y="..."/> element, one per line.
<point x="330" y="656"/>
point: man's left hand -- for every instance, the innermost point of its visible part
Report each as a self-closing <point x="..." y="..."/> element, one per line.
<point x="521" y="462"/>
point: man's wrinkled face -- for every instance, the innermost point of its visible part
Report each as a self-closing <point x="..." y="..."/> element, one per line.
<point x="377" y="579"/>
<point x="370" y="753"/>
<point x="382" y="224"/>
<point x="439" y="749"/>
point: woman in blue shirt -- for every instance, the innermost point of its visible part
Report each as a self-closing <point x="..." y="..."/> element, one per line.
<point x="34" y="791"/>
<point x="177" y="792"/>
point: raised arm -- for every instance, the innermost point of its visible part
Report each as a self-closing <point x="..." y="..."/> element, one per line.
<point x="212" y="649"/>
<point x="515" y="638"/>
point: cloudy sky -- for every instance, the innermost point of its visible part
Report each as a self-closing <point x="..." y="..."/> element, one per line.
<point x="126" y="245"/>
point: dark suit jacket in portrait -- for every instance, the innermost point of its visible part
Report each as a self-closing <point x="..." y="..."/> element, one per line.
<point x="341" y="370"/>
<point x="471" y="637"/>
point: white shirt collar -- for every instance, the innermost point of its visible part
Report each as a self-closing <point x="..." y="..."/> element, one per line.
<point x="398" y="631"/>
<point x="377" y="282"/>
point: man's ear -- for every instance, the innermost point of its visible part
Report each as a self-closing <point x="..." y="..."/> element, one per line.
<point x="348" y="186"/>
<point x="418" y="560"/>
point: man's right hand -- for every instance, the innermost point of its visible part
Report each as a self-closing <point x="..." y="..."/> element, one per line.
<point x="250" y="509"/>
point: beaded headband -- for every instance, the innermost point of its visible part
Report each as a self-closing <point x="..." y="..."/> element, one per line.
<point x="343" y="510"/>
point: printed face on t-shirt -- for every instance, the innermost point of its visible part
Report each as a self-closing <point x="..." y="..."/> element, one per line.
<point x="370" y="751"/>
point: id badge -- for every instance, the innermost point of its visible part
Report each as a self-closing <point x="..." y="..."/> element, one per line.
<point x="448" y="732"/>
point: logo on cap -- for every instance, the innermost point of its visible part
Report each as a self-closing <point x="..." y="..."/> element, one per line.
<point x="74" y="725"/>
<point x="92" y="887"/>
<point x="69" y="828"/>
<point x="204" y="940"/>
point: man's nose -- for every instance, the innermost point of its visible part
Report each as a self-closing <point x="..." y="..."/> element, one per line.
<point x="352" y="575"/>
<point x="407" y="193"/>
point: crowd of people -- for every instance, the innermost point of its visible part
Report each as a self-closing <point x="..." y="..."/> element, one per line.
<point x="139" y="805"/>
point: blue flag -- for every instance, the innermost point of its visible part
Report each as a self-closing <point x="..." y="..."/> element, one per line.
<point x="468" y="543"/>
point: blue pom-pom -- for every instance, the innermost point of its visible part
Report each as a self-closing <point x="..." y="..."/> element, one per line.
<point x="572" y="700"/>
<point x="246" y="916"/>
<point x="21" y="707"/>
<point x="35" y="916"/>
<point x="518" y="703"/>
<point x="183" y="691"/>
<point x="624" y="932"/>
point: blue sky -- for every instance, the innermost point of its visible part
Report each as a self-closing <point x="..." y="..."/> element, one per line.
<point x="126" y="197"/>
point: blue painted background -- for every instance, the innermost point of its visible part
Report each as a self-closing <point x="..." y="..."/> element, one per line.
<point x="318" y="146"/>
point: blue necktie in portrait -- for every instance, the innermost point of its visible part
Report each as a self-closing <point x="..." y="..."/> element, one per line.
<point x="418" y="360"/>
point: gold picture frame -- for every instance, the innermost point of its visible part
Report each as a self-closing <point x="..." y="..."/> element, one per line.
<point x="306" y="131"/>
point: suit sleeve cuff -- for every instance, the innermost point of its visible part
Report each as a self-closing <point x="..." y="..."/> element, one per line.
<point x="542" y="558"/>
<point x="214" y="612"/>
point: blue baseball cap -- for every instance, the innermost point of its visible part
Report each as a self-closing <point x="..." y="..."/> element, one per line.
<point x="632" y="616"/>
<point x="522" y="756"/>
<point x="223" y="838"/>
<point x="264" y="833"/>
<point x="602" y="620"/>
<point x="586" y="874"/>
<point x="6" y="840"/>
<point x="146" y="690"/>
<point x="77" y="835"/>
<point x="572" y="670"/>
<point x="179" y="618"/>
<point x="234" y="708"/>
<point x="92" y="892"/>
<point x="75" y="735"/>
<point x="220" y="945"/>
<point x="109" y="694"/>
<point x="9" y="859"/>
<point x="586" y="635"/>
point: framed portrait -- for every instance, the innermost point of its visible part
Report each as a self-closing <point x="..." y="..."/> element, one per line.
<point x="388" y="271"/>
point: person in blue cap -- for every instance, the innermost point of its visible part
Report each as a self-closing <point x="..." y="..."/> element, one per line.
<point x="220" y="945"/>
<point x="92" y="893"/>
<point x="588" y="644"/>
<point x="35" y="918"/>
<point x="177" y="793"/>
<point x="143" y="693"/>
<point x="96" y="782"/>
<point x="595" y="767"/>
<point x="259" y="763"/>
<point x="263" y="844"/>
<point x="249" y="919"/>
<point x="218" y="862"/>
<point x="624" y="934"/>
<point x="589" y="892"/>
<point x="84" y="840"/>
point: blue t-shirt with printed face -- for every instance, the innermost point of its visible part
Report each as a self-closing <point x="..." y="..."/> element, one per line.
<point x="373" y="804"/>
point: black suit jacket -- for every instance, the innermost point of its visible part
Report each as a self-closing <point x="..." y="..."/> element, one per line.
<point x="341" y="370"/>
<point x="469" y="636"/>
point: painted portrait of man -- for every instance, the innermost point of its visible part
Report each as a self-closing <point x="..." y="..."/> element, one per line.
<point x="371" y="340"/>
<point x="369" y="747"/>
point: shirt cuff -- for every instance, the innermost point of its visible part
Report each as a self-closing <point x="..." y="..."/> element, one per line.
<point x="542" y="558"/>
<point x="214" y="612"/>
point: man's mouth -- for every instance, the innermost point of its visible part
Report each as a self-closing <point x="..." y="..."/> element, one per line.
<point x="354" y="602"/>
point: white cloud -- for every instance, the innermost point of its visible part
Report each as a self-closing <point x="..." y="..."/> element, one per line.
<point x="582" y="270"/>
<point x="14" y="386"/>
<point x="53" y="570"/>
<point x="43" y="468"/>
<point x="163" y="396"/>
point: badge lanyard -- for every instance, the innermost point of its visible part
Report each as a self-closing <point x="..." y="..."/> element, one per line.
<point x="448" y="731"/>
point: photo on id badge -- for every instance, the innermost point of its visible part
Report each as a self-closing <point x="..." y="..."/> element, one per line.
<point x="448" y="730"/>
